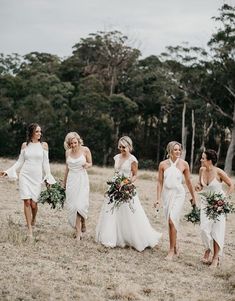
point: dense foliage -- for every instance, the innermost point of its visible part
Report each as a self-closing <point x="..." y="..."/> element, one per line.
<point x="105" y="90"/>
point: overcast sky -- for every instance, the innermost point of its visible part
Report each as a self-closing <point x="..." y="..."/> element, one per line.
<point x="54" y="26"/>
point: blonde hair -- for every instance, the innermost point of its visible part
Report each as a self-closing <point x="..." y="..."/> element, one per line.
<point x="170" y="147"/>
<point x="126" y="141"/>
<point x="69" y="137"/>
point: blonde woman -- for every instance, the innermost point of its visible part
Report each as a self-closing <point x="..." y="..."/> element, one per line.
<point x="76" y="182"/>
<point x="171" y="190"/>
<point x="124" y="227"/>
<point x="33" y="164"/>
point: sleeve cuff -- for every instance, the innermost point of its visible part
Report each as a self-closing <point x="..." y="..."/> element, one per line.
<point x="49" y="179"/>
<point x="11" y="173"/>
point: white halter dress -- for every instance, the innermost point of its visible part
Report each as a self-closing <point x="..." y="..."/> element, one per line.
<point x="77" y="189"/>
<point x="173" y="193"/>
<point x="123" y="227"/>
<point x="212" y="230"/>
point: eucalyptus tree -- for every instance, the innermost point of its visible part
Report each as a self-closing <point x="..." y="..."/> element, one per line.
<point x="222" y="96"/>
<point x="150" y="86"/>
<point x="106" y="55"/>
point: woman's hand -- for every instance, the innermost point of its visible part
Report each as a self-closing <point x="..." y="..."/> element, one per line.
<point x="198" y="187"/>
<point x="86" y="165"/>
<point x="3" y="174"/>
<point x="193" y="202"/>
<point x="47" y="184"/>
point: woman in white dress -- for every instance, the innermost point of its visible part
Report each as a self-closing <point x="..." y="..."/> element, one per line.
<point x="212" y="232"/>
<point x="76" y="181"/>
<point x="34" y="167"/>
<point x="123" y="227"/>
<point x="171" y="190"/>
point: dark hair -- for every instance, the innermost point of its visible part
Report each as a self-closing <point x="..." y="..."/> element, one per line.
<point x="30" y="131"/>
<point x="211" y="155"/>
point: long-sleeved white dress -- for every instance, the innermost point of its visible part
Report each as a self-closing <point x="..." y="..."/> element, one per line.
<point x="34" y="167"/>
<point x="123" y="227"/>
<point x="173" y="193"/>
<point x="210" y="229"/>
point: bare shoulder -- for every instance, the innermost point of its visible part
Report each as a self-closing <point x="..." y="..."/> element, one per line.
<point x="86" y="149"/>
<point x="164" y="164"/>
<point x="67" y="153"/>
<point x="23" y="146"/>
<point x="185" y="163"/>
<point x="45" y="145"/>
<point x="220" y="172"/>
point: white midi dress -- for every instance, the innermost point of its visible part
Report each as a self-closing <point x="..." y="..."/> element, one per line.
<point x="210" y="229"/>
<point x="124" y="227"/>
<point x="173" y="193"/>
<point x="77" y="189"/>
<point x="34" y="167"/>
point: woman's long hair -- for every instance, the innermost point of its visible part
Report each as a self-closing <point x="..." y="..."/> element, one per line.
<point x="30" y="132"/>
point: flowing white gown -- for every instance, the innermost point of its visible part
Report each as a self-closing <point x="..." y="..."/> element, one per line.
<point x="33" y="164"/>
<point x="123" y="227"/>
<point x="210" y="229"/>
<point x="77" y="189"/>
<point x="173" y="193"/>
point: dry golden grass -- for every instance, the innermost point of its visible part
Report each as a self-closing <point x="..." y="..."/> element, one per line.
<point x="53" y="266"/>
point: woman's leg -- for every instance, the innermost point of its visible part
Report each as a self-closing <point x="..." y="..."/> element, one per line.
<point x="215" y="259"/>
<point x="28" y="215"/>
<point x="34" y="207"/>
<point x="78" y="226"/>
<point x="172" y="239"/>
<point x="83" y="229"/>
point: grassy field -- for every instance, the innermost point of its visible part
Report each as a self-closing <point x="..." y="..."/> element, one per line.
<point x="53" y="266"/>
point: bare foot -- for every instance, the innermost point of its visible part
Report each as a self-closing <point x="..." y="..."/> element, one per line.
<point x="215" y="263"/>
<point x="33" y="222"/>
<point x="176" y="251"/>
<point x="170" y="255"/>
<point x="205" y="258"/>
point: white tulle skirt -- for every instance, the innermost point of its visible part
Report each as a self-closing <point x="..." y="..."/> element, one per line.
<point x="125" y="228"/>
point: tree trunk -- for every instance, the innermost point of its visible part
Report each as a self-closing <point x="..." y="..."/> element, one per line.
<point x="231" y="148"/>
<point x="183" y="138"/>
<point x="192" y="142"/>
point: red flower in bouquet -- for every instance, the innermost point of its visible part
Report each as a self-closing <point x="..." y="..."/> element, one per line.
<point x="120" y="191"/>
<point x="217" y="204"/>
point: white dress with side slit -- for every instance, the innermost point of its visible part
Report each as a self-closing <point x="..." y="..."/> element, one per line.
<point x="34" y="167"/>
<point x="124" y="227"/>
<point x="173" y="193"/>
<point x="77" y="189"/>
<point x="210" y="229"/>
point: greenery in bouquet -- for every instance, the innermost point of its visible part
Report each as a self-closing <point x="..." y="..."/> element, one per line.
<point x="54" y="195"/>
<point x="217" y="204"/>
<point x="194" y="215"/>
<point x="120" y="191"/>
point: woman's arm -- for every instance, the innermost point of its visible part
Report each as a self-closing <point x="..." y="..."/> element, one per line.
<point x="159" y="184"/>
<point x="199" y="186"/>
<point x="134" y="170"/>
<point x="226" y="179"/>
<point x="48" y="178"/>
<point x="66" y="169"/>
<point x="11" y="172"/>
<point x="189" y="183"/>
<point x="88" y="158"/>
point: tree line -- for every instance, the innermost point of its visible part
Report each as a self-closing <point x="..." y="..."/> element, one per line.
<point x="105" y="89"/>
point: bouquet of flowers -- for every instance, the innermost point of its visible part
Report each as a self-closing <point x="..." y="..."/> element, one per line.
<point x="54" y="195"/>
<point x="120" y="191"/>
<point x="217" y="204"/>
<point x="193" y="216"/>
